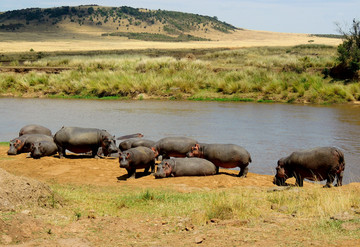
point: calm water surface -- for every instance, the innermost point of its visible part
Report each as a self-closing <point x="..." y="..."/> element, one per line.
<point x="267" y="131"/>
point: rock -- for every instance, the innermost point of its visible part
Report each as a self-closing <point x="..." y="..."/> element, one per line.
<point x="26" y="212"/>
<point x="199" y="239"/>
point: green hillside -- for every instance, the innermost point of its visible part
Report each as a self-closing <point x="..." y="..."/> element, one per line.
<point x="114" y="21"/>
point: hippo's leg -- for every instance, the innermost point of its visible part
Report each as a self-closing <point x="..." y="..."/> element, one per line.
<point x="152" y="166"/>
<point x="131" y="173"/>
<point x="146" y="170"/>
<point x="339" y="178"/>
<point x="299" y="180"/>
<point x="217" y="169"/>
<point x="94" y="152"/>
<point x="243" y="172"/>
<point x="61" y="151"/>
<point x="329" y="180"/>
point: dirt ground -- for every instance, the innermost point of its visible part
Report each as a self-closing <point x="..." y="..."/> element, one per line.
<point x="36" y="227"/>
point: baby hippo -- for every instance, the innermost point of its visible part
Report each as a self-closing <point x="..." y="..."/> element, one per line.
<point x="43" y="148"/>
<point x="177" y="167"/>
<point x="137" y="158"/>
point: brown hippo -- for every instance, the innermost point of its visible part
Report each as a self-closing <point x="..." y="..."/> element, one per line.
<point x="316" y="164"/>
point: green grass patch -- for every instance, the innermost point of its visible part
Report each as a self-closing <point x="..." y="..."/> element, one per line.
<point x="233" y="99"/>
<point x="4" y="143"/>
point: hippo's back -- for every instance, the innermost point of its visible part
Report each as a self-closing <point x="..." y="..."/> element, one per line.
<point x="175" y="146"/>
<point x="226" y="154"/>
<point x="193" y="167"/>
<point x="77" y="136"/>
<point x="34" y="129"/>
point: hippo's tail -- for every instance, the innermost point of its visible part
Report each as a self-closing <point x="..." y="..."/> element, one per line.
<point x="341" y="160"/>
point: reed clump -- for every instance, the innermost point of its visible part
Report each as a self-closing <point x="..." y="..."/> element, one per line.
<point x="278" y="74"/>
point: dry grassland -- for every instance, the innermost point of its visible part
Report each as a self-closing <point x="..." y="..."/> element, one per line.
<point x="90" y="39"/>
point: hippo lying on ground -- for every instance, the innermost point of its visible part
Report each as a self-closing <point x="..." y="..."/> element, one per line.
<point x="177" y="167"/>
<point x="22" y="144"/>
<point x="34" y="129"/>
<point x="173" y="146"/>
<point x="135" y="142"/>
<point x="223" y="155"/>
<point x="83" y="140"/>
<point x="137" y="158"/>
<point x="43" y="148"/>
<point x="315" y="164"/>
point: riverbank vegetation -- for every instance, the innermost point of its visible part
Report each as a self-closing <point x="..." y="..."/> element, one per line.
<point x="279" y="74"/>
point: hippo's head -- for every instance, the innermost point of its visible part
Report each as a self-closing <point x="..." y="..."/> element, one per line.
<point x="108" y="144"/>
<point x="36" y="150"/>
<point x="124" y="160"/>
<point x="196" y="151"/>
<point x="156" y="152"/>
<point x="164" y="170"/>
<point x="15" y="146"/>
<point x="281" y="173"/>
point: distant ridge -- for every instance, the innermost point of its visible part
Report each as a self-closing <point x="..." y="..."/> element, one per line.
<point x="115" y="21"/>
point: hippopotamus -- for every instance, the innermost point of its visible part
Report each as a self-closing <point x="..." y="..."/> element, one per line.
<point x="135" y="142"/>
<point x="177" y="167"/>
<point x="43" y="148"/>
<point x="34" y="129"/>
<point x="137" y="158"/>
<point x="223" y="155"/>
<point x="22" y="144"/>
<point x="137" y="135"/>
<point x="83" y="140"/>
<point x="173" y="147"/>
<point x="315" y="164"/>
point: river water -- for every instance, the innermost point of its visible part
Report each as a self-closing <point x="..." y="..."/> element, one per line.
<point x="267" y="131"/>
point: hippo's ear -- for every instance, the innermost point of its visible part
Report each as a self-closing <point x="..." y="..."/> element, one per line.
<point x="128" y="155"/>
<point x="197" y="146"/>
<point x="17" y="141"/>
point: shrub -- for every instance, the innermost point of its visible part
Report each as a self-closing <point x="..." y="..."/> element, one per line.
<point x="348" y="54"/>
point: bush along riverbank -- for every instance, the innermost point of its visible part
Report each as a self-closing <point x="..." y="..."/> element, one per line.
<point x="281" y="74"/>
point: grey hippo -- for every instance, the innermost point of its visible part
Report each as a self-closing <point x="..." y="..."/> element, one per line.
<point x="317" y="164"/>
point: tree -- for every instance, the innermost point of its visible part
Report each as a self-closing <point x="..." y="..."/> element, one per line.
<point x="348" y="54"/>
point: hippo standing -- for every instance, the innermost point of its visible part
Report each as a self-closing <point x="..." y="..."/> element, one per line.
<point x="223" y="155"/>
<point x="177" y="167"/>
<point x="43" y="148"/>
<point x="135" y="142"/>
<point x="83" y="140"/>
<point x="315" y="164"/>
<point x="34" y="129"/>
<point x="173" y="146"/>
<point x="137" y="158"/>
<point x="22" y="144"/>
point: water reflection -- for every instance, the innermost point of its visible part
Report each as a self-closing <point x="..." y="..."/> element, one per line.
<point x="267" y="131"/>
